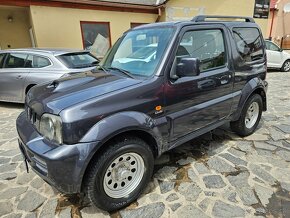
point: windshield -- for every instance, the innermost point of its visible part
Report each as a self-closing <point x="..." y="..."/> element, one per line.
<point x="139" y="51"/>
<point x="78" y="60"/>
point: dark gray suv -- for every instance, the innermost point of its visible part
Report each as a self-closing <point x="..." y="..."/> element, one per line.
<point x="99" y="132"/>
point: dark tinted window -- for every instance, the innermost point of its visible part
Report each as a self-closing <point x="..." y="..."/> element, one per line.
<point x="34" y="61"/>
<point x="249" y="43"/>
<point x="78" y="60"/>
<point x="206" y="45"/>
<point x="1" y="59"/>
<point x="15" y="60"/>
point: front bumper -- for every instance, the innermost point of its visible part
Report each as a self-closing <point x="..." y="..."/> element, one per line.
<point x="62" y="166"/>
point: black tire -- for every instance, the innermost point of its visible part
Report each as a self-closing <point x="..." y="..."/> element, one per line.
<point x="239" y="126"/>
<point x="94" y="187"/>
<point x="285" y="67"/>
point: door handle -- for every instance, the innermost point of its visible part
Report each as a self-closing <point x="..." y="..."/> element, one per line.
<point x="19" y="77"/>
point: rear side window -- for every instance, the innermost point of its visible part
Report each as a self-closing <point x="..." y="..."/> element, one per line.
<point x="249" y="43"/>
<point x="15" y="60"/>
<point x="78" y="60"/>
<point x="271" y="46"/>
<point x="34" y="61"/>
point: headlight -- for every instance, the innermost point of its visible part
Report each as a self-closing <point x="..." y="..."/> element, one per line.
<point x="51" y="127"/>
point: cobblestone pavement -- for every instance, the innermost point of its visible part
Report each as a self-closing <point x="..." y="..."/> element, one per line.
<point x="217" y="175"/>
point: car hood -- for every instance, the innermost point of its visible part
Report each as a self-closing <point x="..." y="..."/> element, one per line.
<point x="55" y="96"/>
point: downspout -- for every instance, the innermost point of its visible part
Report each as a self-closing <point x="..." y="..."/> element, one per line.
<point x="159" y="14"/>
<point x="272" y="23"/>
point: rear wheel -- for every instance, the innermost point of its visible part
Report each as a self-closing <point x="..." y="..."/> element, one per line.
<point x="250" y="116"/>
<point x="118" y="175"/>
<point x="286" y="66"/>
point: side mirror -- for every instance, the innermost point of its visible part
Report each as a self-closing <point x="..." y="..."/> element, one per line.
<point x="187" y="67"/>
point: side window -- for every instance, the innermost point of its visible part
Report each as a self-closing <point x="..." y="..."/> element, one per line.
<point x="2" y="59"/>
<point x="249" y="43"/>
<point x="15" y="60"/>
<point x="205" y="45"/>
<point x="271" y="46"/>
<point x="34" y="61"/>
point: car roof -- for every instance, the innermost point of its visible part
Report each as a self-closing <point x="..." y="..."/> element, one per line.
<point x="52" y="51"/>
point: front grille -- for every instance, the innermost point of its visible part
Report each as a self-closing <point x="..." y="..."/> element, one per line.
<point x="32" y="116"/>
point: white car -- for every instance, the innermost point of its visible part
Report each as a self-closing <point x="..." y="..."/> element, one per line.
<point x="276" y="57"/>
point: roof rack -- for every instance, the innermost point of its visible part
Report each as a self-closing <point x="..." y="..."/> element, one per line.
<point x="202" y="18"/>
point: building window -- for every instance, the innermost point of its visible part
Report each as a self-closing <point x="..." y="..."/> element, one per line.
<point x="137" y="24"/>
<point x="96" y="37"/>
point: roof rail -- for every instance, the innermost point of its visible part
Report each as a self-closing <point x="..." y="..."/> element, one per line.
<point x="202" y="18"/>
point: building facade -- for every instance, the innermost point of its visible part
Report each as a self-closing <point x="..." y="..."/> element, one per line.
<point x="96" y="25"/>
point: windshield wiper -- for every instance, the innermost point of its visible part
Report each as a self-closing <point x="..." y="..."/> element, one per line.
<point x="102" y="68"/>
<point x="127" y="73"/>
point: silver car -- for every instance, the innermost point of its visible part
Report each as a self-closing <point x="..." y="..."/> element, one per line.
<point x="21" y="69"/>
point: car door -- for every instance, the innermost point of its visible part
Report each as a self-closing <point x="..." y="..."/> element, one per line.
<point x="195" y="102"/>
<point x="274" y="55"/>
<point x="12" y="77"/>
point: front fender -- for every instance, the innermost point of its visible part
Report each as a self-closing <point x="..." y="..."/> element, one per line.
<point x="121" y="122"/>
<point x="251" y="87"/>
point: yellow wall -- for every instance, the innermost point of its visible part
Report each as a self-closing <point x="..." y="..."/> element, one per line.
<point x="15" y="33"/>
<point x="185" y="9"/>
<point x="60" y="27"/>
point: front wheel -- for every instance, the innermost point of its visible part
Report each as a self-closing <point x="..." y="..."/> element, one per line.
<point x="250" y="116"/>
<point x="119" y="175"/>
<point x="286" y="66"/>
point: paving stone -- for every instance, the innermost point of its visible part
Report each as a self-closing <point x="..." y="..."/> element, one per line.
<point x="204" y="204"/>
<point x="216" y="148"/>
<point x="183" y="162"/>
<point x="214" y="181"/>
<point x="25" y="178"/>
<point x="245" y="146"/>
<point x="263" y="152"/>
<point x="12" y="192"/>
<point x="191" y="174"/>
<point x="276" y="135"/>
<point x="222" y="209"/>
<point x="48" y="209"/>
<point x="172" y="197"/>
<point x="65" y="213"/>
<point x="10" y="153"/>
<point x="166" y="186"/>
<point x="257" y="137"/>
<point x="31" y="201"/>
<point x="4" y="160"/>
<point x="260" y="172"/>
<point x="220" y="165"/>
<point x="201" y="168"/>
<point x="210" y="193"/>
<point x="8" y="176"/>
<point x="189" y="190"/>
<point x="236" y="152"/>
<point x="175" y="206"/>
<point x="7" y="167"/>
<point x="3" y="186"/>
<point x="37" y="182"/>
<point x="263" y="145"/>
<point x="240" y="180"/>
<point x="13" y="215"/>
<point x="285" y="186"/>
<point x="150" y="210"/>
<point x="154" y="197"/>
<point x="190" y="211"/>
<point x="235" y="160"/>
<point x="264" y="194"/>
<point x="93" y="212"/>
<point x="284" y="154"/>
<point x="232" y="197"/>
<point x="247" y="195"/>
<point x="166" y="173"/>
<point x="31" y="215"/>
<point x="5" y="208"/>
<point x="17" y="158"/>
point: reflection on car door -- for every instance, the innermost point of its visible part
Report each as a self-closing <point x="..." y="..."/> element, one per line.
<point x="197" y="101"/>
<point x="274" y="55"/>
<point x="12" y="77"/>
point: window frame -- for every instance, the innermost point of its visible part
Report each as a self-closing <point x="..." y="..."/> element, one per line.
<point x="3" y="60"/>
<point x="272" y="43"/>
<point x="203" y="28"/>
<point x="96" y="22"/>
<point x="8" y="54"/>
<point x="261" y="38"/>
